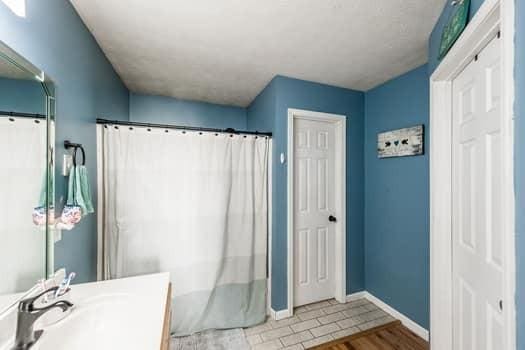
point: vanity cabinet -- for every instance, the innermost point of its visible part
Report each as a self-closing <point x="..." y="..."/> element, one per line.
<point x="165" y="344"/>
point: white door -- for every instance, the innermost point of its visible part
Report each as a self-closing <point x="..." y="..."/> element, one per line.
<point x="314" y="203"/>
<point x="477" y="248"/>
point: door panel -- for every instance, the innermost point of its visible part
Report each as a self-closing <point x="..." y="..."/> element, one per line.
<point x="477" y="247"/>
<point x="322" y="253"/>
<point x="304" y="185"/>
<point x="314" y="202"/>
<point x="322" y="184"/>
<point x="304" y="252"/>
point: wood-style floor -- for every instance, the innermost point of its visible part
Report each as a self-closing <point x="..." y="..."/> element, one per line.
<point x="392" y="336"/>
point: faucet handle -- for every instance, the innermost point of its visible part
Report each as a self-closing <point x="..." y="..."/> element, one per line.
<point x="27" y="305"/>
<point x="62" y="304"/>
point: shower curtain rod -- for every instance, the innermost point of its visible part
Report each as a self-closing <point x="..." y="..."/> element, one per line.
<point x="23" y="115"/>
<point x="180" y="127"/>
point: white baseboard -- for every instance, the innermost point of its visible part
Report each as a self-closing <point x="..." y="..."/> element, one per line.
<point x="279" y="315"/>
<point x="355" y="296"/>
<point x="407" y="322"/>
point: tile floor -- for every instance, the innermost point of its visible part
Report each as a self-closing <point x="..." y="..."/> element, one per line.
<point x="316" y="324"/>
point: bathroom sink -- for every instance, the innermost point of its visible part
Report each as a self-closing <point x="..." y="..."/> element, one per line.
<point x="104" y="322"/>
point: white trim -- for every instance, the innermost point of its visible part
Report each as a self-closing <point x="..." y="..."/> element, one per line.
<point x="270" y="199"/>
<point x="508" y="30"/>
<point x="340" y="212"/>
<point x="407" y="322"/>
<point x="100" y="206"/>
<point x="493" y="15"/>
<point x="280" y="315"/>
<point x="355" y="296"/>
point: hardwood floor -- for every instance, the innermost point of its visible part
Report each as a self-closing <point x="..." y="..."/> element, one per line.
<point x="392" y="336"/>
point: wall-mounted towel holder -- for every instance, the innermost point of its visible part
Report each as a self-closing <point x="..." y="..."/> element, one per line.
<point x="68" y="145"/>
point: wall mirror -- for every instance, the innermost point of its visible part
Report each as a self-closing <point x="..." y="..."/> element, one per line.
<point x="27" y="106"/>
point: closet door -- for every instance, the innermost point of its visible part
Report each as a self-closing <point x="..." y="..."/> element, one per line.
<point x="477" y="204"/>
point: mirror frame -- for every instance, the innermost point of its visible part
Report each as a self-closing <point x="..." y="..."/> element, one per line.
<point x="48" y="87"/>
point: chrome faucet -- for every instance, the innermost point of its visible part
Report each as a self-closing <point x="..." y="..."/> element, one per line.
<point x="28" y="314"/>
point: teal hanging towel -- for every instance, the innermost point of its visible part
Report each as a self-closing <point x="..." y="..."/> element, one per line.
<point x="79" y="202"/>
<point x="83" y="191"/>
<point x="79" y="192"/>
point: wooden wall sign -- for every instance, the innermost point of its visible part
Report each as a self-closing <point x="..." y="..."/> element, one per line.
<point x="455" y="26"/>
<point x="401" y="142"/>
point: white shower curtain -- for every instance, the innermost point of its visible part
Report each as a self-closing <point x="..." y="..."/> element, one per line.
<point x="195" y="205"/>
<point x="23" y="147"/>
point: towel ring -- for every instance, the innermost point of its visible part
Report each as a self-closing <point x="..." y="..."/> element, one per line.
<point x="68" y="144"/>
<point x="83" y="155"/>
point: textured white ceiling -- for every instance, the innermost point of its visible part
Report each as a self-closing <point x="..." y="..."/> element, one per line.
<point x="226" y="51"/>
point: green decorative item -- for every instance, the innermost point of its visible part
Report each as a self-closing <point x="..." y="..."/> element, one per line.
<point x="454" y="27"/>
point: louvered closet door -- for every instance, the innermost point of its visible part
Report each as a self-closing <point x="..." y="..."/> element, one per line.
<point x="477" y="204"/>
<point x="314" y="202"/>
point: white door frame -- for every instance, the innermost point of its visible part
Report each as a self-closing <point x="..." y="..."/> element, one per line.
<point x="493" y="16"/>
<point x="269" y="223"/>
<point x="340" y="200"/>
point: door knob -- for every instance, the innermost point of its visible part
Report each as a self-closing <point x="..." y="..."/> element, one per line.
<point x="332" y="218"/>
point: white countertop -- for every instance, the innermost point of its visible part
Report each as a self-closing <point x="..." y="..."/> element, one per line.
<point x="126" y="314"/>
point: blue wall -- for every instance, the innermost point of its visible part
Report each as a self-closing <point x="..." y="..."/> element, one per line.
<point x="519" y="159"/>
<point x="23" y="96"/>
<point x="168" y="110"/>
<point x="262" y="111"/>
<point x="397" y="199"/>
<point x="261" y="116"/>
<point x="283" y="93"/>
<point x="53" y="38"/>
